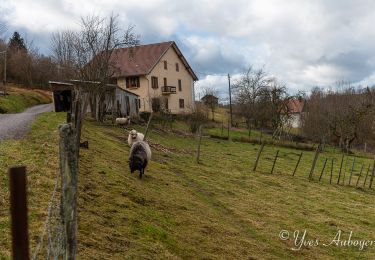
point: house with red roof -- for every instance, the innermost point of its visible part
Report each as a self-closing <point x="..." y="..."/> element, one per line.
<point x="159" y="74"/>
<point x="296" y="109"/>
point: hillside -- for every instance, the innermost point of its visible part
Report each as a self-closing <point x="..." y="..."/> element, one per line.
<point x="181" y="209"/>
<point x="20" y="98"/>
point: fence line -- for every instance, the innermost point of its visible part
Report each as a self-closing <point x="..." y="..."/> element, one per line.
<point x="273" y="157"/>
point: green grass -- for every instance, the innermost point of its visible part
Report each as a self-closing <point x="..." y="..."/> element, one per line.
<point x="236" y="132"/>
<point x="38" y="152"/>
<point x="20" y="99"/>
<point x="181" y="209"/>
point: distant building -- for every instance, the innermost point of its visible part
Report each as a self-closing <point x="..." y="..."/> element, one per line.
<point x="297" y="111"/>
<point x="210" y="100"/>
<point x="156" y="72"/>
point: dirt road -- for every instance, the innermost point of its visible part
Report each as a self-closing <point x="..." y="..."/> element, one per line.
<point x="16" y="126"/>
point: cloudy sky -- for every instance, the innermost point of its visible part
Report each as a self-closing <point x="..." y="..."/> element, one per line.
<point x="304" y="43"/>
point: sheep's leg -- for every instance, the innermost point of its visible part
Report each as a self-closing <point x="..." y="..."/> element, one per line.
<point x="140" y="173"/>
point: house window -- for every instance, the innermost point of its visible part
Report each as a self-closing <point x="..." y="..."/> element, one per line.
<point x="177" y="68"/>
<point x="165" y="81"/>
<point x="154" y="82"/>
<point x="166" y="104"/>
<point x="165" y="65"/>
<point x="132" y="82"/>
<point x="182" y="103"/>
<point x="179" y="85"/>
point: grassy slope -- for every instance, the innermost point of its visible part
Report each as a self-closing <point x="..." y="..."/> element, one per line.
<point x="20" y="99"/>
<point x="180" y="209"/>
<point x="39" y="153"/>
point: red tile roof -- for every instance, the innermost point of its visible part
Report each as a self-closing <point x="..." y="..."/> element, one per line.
<point x="296" y="105"/>
<point x="140" y="60"/>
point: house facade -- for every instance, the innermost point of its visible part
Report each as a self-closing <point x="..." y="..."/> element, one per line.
<point x="159" y="74"/>
<point x="297" y="110"/>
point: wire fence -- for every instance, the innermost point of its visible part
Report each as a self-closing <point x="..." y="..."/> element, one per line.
<point x="333" y="168"/>
<point x="51" y="241"/>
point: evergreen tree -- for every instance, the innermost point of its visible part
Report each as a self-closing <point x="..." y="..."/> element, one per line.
<point x="17" y="43"/>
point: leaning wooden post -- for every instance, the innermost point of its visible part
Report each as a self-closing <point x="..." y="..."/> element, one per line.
<point x="351" y="171"/>
<point x="314" y="162"/>
<point x="330" y="178"/>
<point x="69" y="171"/>
<point x="222" y="127"/>
<point x="18" y="210"/>
<point x="258" y="156"/>
<point x="342" y="161"/>
<point x="295" y="169"/>
<point x="274" y="161"/>
<point x="199" y="143"/>
<point x="148" y="126"/>
<point x="344" y="171"/>
<point x="372" y="174"/>
<point x="360" y="173"/>
<point x="368" y="170"/>
<point x="324" y="166"/>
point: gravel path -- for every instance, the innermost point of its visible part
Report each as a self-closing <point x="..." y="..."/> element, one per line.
<point x="16" y="126"/>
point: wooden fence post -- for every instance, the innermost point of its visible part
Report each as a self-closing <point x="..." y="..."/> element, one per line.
<point x="360" y="173"/>
<point x="222" y="127"/>
<point x="295" y="169"/>
<point x="368" y="170"/>
<point x="258" y="156"/>
<point x="274" y="161"/>
<point x="330" y="179"/>
<point x="342" y="161"/>
<point x="324" y="166"/>
<point x="69" y="171"/>
<point x="228" y="127"/>
<point x="372" y="174"/>
<point x="147" y="127"/>
<point x="199" y="143"/>
<point x="351" y="171"/>
<point x="18" y="209"/>
<point x="314" y="162"/>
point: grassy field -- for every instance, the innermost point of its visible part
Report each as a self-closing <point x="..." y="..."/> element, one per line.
<point x="21" y="98"/>
<point x="181" y="209"/>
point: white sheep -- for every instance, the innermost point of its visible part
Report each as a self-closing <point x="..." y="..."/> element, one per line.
<point x="123" y="120"/>
<point x="134" y="136"/>
<point x="140" y="155"/>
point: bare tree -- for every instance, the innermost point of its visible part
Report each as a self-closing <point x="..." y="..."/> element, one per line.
<point x="210" y="99"/>
<point x="247" y="91"/>
<point x="341" y="116"/>
<point x="87" y="55"/>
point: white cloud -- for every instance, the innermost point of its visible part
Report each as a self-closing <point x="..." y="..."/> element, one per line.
<point x="303" y="43"/>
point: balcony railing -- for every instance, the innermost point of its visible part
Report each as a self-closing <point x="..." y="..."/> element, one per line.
<point x="168" y="90"/>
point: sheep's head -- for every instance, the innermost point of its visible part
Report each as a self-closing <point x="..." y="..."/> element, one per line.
<point x="133" y="133"/>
